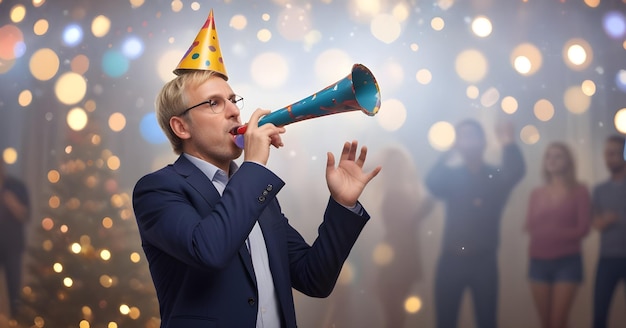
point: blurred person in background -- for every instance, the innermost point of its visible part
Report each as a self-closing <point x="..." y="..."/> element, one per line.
<point x="558" y="218"/>
<point x="14" y="214"/>
<point x="404" y="206"/>
<point x="474" y="194"/>
<point x="609" y="218"/>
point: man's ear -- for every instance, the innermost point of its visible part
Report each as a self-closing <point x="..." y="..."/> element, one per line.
<point x="180" y="128"/>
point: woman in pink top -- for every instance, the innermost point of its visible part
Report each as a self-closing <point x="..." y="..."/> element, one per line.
<point x="558" y="218"/>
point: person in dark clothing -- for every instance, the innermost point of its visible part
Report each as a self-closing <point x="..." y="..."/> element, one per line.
<point x="474" y="194"/>
<point x="609" y="209"/>
<point x="14" y="213"/>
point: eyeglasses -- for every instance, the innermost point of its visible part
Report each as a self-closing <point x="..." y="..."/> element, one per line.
<point x="218" y="104"/>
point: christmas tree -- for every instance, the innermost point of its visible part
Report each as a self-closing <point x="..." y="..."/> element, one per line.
<point x="86" y="265"/>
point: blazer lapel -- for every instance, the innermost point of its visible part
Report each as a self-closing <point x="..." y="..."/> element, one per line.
<point x="204" y="186"/>
<point x="198" y="180"/>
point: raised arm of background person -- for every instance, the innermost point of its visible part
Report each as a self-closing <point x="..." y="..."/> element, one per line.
<point x="513" y="167"/>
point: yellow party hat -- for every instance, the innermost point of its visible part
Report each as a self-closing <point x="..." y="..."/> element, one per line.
<point x="204" y="54"/>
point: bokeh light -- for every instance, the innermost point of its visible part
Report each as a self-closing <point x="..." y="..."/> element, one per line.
<point x="6" y="64"/>
<point x="70" y="88"/>
<point x="72" y="35"/>
<point x="614" y="23"/>
<point x="269" y="70"/>
<point x="136" y="4"/>
<point x="363" y="10"/>
<point x="165" y="66"/>
<point x="385" y="28"/>
<point x="135" y="257"/>
<point x="575" y="100"/>
<point x="529" y="134"/>
<point x="54" y="176"/>
<point x="9" y="155"/>
<point x="41" y="27"/>
<point x="117" y="122"/>
<point x="107" y="222"/>
<point x="394" y="116"/>
<point x="471" y="65"/>
<point x="330" y="66"/>
<point x="11" y="42"/>
<point x="437" y="23"/>
<point x="509" y="105"/>
<point x="238" y="22"/>
<point x="481" y="26"/>
<point x="401" y="11"/>
<point x="18" y="12"/>
<point x="588" y="87"/>
<point x="620" y="120"/>
<point x="80" y="64"/>
<point x="105" y="254"/>
<point x="264" y="35"/>
<point x="592" y="3"/>
<point x="526" y="59"/>
<point x="424" y="76"/>
<point x="472" y="92"/>
<point x="441" y="135"/>
<point x="44" y="64"/>
<point x="177" y="5"/>
<point x="490" y="97"/>
<point x="77" y="119"/>
<point x="113" y="163"/>
<point x="68" y="282"/>
<point x="544" y="110"/>
<point x="577" y="54"/>
<point x="25" y="98"/>
<point x="100" y="26"/>
<point x="383" y="254"/>
<point x="413" y="304"/>
<point x="114" y="63"/>
<point x="47" y="224"/>
<point x="132" y="47"/>
<point x="150" y="129"/>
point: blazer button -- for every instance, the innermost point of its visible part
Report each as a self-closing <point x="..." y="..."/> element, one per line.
<point x="265" y="192"/>
<point x="261" y="199"/>
<point x="269" y="187"/>
<point x="251" y="301"/>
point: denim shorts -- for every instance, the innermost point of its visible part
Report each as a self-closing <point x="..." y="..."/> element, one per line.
<point x="563" y="269"/>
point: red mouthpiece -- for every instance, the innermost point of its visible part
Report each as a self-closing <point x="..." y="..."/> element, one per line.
<point x="238" y="130"/>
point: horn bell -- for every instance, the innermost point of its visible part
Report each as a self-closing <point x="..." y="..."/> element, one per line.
<point x="357" y="91"/>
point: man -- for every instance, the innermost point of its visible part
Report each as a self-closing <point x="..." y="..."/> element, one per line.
<point x="474" y="194"/>
<point x="220" y="251"/>
<point x="609" y="207"/>
<point x="14" y="213"/>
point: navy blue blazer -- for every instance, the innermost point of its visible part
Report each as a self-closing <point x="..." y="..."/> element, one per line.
<point x="194" y="241"/>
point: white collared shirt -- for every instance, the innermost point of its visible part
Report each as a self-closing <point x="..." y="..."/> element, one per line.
<point x="267" y="315"/>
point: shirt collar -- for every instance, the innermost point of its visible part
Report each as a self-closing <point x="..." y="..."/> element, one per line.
<point x="210" y="170"/>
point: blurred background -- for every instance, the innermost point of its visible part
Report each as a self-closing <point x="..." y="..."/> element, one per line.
<point x="78" y="81"/>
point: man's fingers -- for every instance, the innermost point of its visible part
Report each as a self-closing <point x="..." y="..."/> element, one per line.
<point x="362" y="156"/>
<point x="353" y="147"/>
<point x="330" y="160"/>
<point x="256" y="115"/>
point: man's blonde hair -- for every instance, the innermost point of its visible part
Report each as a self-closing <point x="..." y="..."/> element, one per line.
<point x="172" y="101"/>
